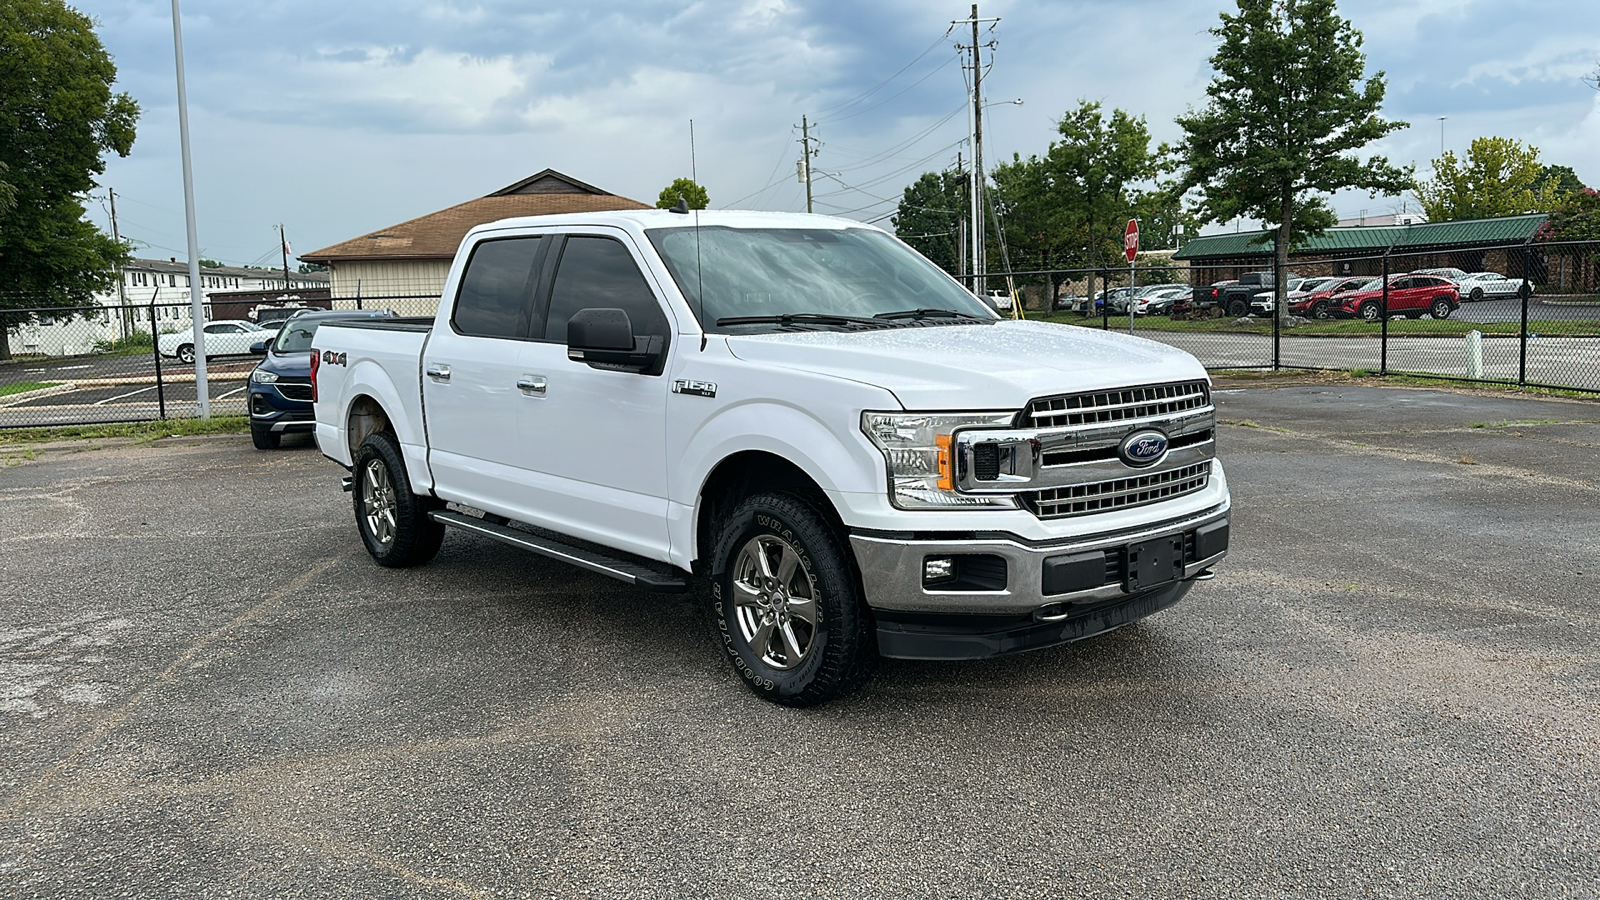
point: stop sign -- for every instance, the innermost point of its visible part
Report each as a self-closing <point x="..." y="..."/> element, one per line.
<point x="1130" y="240"/>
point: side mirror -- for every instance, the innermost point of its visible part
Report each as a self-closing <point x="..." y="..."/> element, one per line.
<point x="604" y="339"/>
<point x="259" y="348"/>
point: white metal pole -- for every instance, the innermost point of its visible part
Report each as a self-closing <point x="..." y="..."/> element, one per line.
<point x="196" y="299"/>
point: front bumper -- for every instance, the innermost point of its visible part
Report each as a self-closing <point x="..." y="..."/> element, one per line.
<point x="271" y="411"/>
<point x="1007" y="594"/>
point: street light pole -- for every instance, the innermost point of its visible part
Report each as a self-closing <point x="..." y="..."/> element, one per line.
<point x="196" y="306"/>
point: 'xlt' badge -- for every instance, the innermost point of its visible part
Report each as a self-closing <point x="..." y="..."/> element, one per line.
<point x="697" y="388"/>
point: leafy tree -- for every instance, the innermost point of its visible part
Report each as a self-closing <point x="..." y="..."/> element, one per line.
<point x="209" y="264"/>
<point x="1576" y="218"/>
<point x="1497" y="178"/>
<point x="693" y="193"/>
<point x="8" y="194"/>
<point x="1565" y="180"/>
<point x="58" y="117"/>
<point x="1094" y="170"/>
<point x="1287" y="115"/>
<point x="929" y="217"/>
<point x="306" y="267"/>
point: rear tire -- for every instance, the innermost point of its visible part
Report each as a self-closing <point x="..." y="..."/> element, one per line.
<point x="186" y="354"/>
<point x="265" y="438"/>
<point x="786" y="602"/>
<point x="393" y="521"/>
<point x="1441" y="308"/>
<point x="1477" y="293"/>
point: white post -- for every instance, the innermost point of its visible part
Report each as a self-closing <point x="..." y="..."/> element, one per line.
<point x="196" y="300"/>
<point x="1475" y="355"/>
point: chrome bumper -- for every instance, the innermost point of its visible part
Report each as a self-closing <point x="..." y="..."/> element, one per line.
<point x="892" y="569"/>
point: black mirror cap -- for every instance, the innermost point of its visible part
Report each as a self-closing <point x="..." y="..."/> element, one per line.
<point x="259" y="348"/>
<point x="600" y="329"/>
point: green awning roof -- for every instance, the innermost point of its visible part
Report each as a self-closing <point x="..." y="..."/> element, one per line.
<point x="1359" y="238"/>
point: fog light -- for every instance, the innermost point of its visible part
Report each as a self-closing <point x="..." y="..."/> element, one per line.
<point x="937" y="569"/>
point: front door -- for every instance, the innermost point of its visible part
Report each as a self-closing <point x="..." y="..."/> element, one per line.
<point x="596" y="439"/>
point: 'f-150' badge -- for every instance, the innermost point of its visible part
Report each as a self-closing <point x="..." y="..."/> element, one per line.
<point x="697" y="388"/>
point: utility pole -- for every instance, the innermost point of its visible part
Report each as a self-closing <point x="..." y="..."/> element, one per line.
<point x="283" y="244"/>
<point x="124" y="315"/>
<point x="197" y="316"/>
<point x="805" y="158"/>
<point x="975" y="120"/>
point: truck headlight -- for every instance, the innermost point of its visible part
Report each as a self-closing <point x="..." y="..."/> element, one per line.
<point x="918" y="450"/>
<point x="262" y="376"/>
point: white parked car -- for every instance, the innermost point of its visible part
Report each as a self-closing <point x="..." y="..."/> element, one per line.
<point x="228" y="337"/>
<point x="1484" y="285"/>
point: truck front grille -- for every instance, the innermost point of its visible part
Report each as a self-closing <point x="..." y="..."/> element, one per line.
<point x="1121" y="493"/>
<point x="1104" y="407"/>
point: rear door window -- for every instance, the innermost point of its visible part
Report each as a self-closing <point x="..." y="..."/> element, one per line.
<point x="496" y="293"/>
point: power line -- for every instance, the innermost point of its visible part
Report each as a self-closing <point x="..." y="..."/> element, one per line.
<point x="875" y="88"/>
<point x="932" y="72"/>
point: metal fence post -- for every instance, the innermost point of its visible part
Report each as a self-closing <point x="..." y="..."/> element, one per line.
<point x="1525" y="292"/>
<point x="1383" y="339"/>
<point x="155" y="351"/>
<point x="1278" y="309"/>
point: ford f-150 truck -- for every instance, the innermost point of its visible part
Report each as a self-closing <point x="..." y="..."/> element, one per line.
<point x="850" y="452"/>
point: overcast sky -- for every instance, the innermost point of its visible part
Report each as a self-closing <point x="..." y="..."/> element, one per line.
<point x="339" y="117"/>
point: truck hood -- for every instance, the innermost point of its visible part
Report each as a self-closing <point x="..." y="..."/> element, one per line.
<point x="999" y="366"/>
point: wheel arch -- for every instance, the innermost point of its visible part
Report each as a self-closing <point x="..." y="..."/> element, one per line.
<point x="744" y="474"/>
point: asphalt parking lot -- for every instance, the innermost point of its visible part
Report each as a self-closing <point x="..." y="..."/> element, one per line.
<point x="1392" y="690"/>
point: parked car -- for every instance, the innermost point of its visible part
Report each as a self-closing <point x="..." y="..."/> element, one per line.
<point x="1316" y="303"/>
<point x="1067" y="302"/>
<point x="1449" y="273"/>
<point x="226" y="337"/>
<point x="999" y="301"/>
<point x="280" y="385"/>
<point x="1484" y="285"/>
<point x="1158" y="301"/>
<point x="1409" y="296"/>
<point x="1116" y="300"/>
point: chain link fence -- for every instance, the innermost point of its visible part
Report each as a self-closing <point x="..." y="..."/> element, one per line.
<point x="1531" y="316"/>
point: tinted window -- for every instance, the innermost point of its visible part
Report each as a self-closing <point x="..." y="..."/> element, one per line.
<point x="495" y="290"/>
<point x="599" y="273"/>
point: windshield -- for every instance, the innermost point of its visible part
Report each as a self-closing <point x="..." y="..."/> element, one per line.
<point x="733" y="273"/>
<point x="295" y="337"/>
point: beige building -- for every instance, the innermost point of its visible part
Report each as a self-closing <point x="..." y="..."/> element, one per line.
<point x="411" y="259"/>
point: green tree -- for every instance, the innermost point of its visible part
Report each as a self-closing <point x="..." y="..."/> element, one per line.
<point x="306" y="268"/>
<point x="1565" y="180"/>
<point x="1069" y="207"/>
<point x="58" y="117"/>
<point x="1497" y="178"/>
<point x="929" y="216"/>
<point x="1286" y="117"/>
<point x="8" y="194"/>
<point x="692" y="193"/>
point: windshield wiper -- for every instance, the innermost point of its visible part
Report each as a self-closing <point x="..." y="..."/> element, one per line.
<point x="927" y="314"/>
<point x="798" y="319"/>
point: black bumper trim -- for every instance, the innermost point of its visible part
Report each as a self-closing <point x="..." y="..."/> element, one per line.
<point x="949" y="637"/>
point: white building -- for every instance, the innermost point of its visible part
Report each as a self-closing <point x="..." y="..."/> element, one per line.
<point x="150" y="287"/>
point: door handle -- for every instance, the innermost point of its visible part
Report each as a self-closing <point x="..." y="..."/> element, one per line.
<point x="438" y="370"/>
<point x="531" y="384"/>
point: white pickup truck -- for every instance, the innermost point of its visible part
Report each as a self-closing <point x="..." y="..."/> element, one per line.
<point x="857" y="455"/>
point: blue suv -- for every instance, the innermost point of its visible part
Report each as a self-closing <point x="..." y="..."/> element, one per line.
<point x="280" y="385"/>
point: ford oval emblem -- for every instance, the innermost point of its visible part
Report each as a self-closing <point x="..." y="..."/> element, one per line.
<point x="1144" y="447"/>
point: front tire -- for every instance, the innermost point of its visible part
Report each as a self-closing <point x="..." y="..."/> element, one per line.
<point x="1371" y="312"/>
<point x="1319" y="310"/>
<point x="265" y="438"/>
<point x="186" y="354"/>
<point x="393" y="521"/>
<point x="1238" y="309"/>
<point x="1441" y="308"/>
<point x="786" y="603"/>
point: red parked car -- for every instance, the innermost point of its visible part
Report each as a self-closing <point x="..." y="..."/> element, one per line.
<point x="1409" y="296"/>
<point x="1317" y="302"/>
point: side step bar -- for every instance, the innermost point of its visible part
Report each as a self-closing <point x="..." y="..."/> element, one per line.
<point x="639" y="572"/>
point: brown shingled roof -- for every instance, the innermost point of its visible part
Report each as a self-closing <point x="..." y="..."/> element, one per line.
<point x="437" y="235"/>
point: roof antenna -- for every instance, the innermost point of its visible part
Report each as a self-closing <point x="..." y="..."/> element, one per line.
<point x="682" y="207"/>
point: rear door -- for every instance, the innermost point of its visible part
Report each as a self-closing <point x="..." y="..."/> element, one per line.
<point x="596" y="438"/>
<point x="470" y="370"/>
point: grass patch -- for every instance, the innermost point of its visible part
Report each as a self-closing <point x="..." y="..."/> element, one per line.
<point x="22" y="387"/>
<point x="140" y="432"/>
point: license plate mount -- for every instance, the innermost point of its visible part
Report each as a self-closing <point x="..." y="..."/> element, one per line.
<point x="1154" y="563"/>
